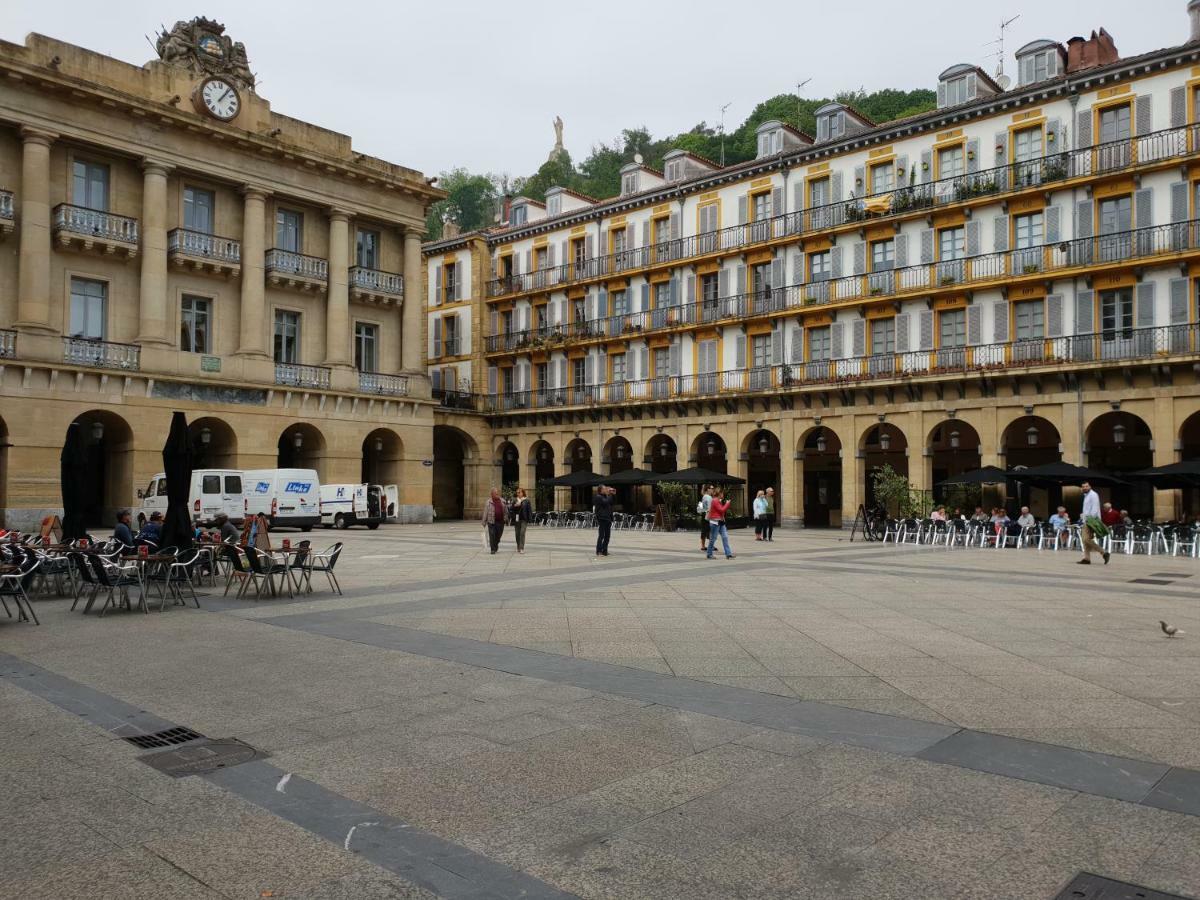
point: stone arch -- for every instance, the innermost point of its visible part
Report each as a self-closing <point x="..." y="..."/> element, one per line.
<point x="953" y="447"/>
<point x="455" y="453"/>
<point x="508" y="461"/>
<point x="108" y="441"/>
<point x="214" y="443"/>
<point x="302" y="446"/>
<point x="541" y="463"/>
<point x="709" y="451"/>
<point x="577" y="457"/>
<point x="761" y="450"/>
<point x="383" y="461"/>
<point x="662" y="454"/>
<point x="618" y="454"/>
<point x="819" y="476"/>
<point x="882" y="445"/>
<point x="1118" y="442"/>
<point x="1030" y="441"/>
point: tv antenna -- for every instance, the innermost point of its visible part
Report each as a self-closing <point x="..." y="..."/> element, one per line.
<point x="721" y="130"/>
<point x="799" y="94"/>
<point x="1001" y="79"/>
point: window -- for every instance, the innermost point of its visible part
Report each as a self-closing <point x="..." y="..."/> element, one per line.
<point x="956" y="91"/>
<point x="820" y="346"/>
<point x="1115" y="124"/>
<point x="289" y="230"/>
<point x="89" y="185"/>
<point x="517" y="215"/>
<point x="618" y="240"/>
<point x="210" y="484"/>
<point x="662" y="294"/>
<point x="951" y="162"/>
<point x="619" y="301"/>
<point x="554" y="205"/>
<point x="1027" y="230"/>
<point x="506" y="321"/>
<point x="541" y="374"/>
<point x="618" y="366"/>
<point x="579" y="252"/>
<point x="820" y="268"/>
<point x="89" y="302"/>
<point x="287" y="337"/>
<point x="579" y="310"/>
<point x="883" y="335"/>
<point x="449" y="283"/>
<point x="366" y="345"/>
<point x="952" y="243"/>
<point x="629" y="183"/>
<point x="709" y="287"/>
<point x="233" y="484"/>
<point x="579" y="372"/>
<point x="760" y="206"/>
<point x="760" y="279"/>
<point x="198" y="210"/>
<point x="674" y="170"/>
<point x="818" y="192"/>
<point x="507" y="380"/>
<point x="367" y="249"/>
<point x="195" y="324"/>
<point x="1029" y="317"/>
<point x="1038" y="66"/>
<point x="1116" y="314"/>
<point x="161" y="490"/>
<point x="1116" y="214"/>
<point x="541" y="318"/>
<point x="883" y="178"/>
<point x="1027" y="144"/>
<point x="953" y="328"/>
<point x="541" y="257"/>
<point x="662" y="230"/>
<point x="883" y="255"/>
<point x="830" y="126"/>
<point x="760" y="351"/>
<point x="662" y="362"/>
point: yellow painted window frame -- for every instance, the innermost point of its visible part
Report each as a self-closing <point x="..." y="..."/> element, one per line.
<point x="947" y="145"/>
<point x="660" y="227"/>
<point x="612" y="360"/>
<point x="871" y="320"/>
<point x="1012" y="315"/>
<point x="1104" y="105"/>
<point x="954" y="306"/>
<point x="704" y="337"/>
<point x="811" y="183"/>
<point x="754" y="195"/>
<point x="873" y="165"/>
<point x="1019" y="127"/>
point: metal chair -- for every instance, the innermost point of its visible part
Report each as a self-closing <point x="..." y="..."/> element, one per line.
<point x="233" y="555"/>
<point x="265" y="568"/>
<point x="1184" y="537"/>
<point x="325" y="562"/>
<point x="17" y="586"/>
<point x="1140" y="539"/>
<point x="113" y="578"/>
<point x="179" y="576"/>
<point x="84" y="569"/>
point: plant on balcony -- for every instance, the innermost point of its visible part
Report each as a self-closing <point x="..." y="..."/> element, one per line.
<point x="786" y="379"/>
<point x="1055" y="168"/>
<point x="876" y="290"/>
<point x="1030" y="268"/>
<point x="948" y="279"/>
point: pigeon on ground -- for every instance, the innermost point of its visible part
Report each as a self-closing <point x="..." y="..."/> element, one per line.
<point x="1170" y="630"/>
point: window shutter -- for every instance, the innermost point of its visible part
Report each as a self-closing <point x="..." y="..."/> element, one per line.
<point x="589" y="247"/>
<point x="974" y="324"/>
<point x="1083" y="129"/>
<point x="1145" y="304"/>
<point x="1179" y="201"/>
<point x="777" y="201"/>
<point x="1083" y="218"/>
<point x="645" y="297"/>
<point x="742" y="209"/>
<point x="495" y="325"/>
<point x="777" y="278"/>
<point x="973" y="248"/>
<point x="835" y="187"/>
<point x="1053" y="225"/>
<point x="860" y="258"/>
<point x="601" y="301"/>
<point x="926" y="166"/>
<point x="645" y="234"/>
<point x="739" y="347"/>
<point x="589" y="369"/>
<point x="902" y="332"/>
<point x="1054" y="315"/>
<point x="435" y="379"/>
<point x="901" y="171"/>
<point x="797" y="344"/>
<point x="1001" y="148"/>
<point x="1083" y="312"/>
<point x="550" y="256"/>
<point x="1000" y="322"/>
<point x="1000" y="233"/>
<point x="644" y="362"/>
<point x="492" y="380"/>
<point x="861" y="188"/>
<point x="1178" y="107"/>
<point x="901" y="251"/>
<point x="1027" y="70"/>
<point x="630" y="358"/>
<point x="605" y="242"/>
<point x="1143" y="208"/>
<point x="673" y="291"/>
<point x="723" y="282"/>
<point x="777" y="344"/>
<point x="926" y="327"/>
<point x="673" y="356"/>
<point x="973" y="155"/>
<point x="797" y="268"/>
<point x="835" y="262"/>
<point x="1056" y="128"/>
<point x="858" y="339"/>
<point x="798" y="195"/>
<point x="836" y="340"/>
<point x="562" y="373"/>
<point x="437" y="291"/>
<point x="674" y="226"/>
<point x="1179" y="298"/>
<point x="927" y="245"/>
<point x="739" y="286"/>
<point x="691" y="289"/>
<point x="972" y="85"/>
<point x="941" y="94"/>
<point x="528" y="267"/>
<point x="1142" y="115"/>
<point x="437" y="337"/>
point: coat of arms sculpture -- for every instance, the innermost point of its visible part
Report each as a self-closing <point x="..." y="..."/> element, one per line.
<point x="202" y="46"/>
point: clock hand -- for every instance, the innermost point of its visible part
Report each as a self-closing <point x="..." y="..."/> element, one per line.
<point x="224" y="95"/>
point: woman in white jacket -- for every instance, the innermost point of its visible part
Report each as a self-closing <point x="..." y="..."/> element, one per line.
<point x="760" y="514"/>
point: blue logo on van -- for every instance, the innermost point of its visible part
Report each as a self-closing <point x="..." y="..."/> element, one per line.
<point x="298" y="487"/>
<point x="262" y="487"/>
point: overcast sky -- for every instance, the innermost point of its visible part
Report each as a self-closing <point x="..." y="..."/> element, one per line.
<point x="435" y="85"/>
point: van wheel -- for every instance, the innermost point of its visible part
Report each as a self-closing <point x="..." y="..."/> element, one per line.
<point x="373" y="526"/>
<point x="306" y="528"/>
<point x="339" y="521"/>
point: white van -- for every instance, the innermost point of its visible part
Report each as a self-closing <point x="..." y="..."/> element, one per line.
<point x="343" y="505"/>
<point x="213" y="491"/>
<point x="289" y="498"/>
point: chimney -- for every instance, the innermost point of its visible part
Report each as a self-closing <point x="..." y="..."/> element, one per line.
<point x="450" y="229"/>
<point x="1098" y="50"/>
<point x="505" y="209"/>
<point x="1193" y="9"/>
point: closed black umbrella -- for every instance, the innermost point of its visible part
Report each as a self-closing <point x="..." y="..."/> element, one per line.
<point x="1175" y="475"/>
<point x="73" y="478"/>
<point x="1063" y="473"/>
<point x="177" y="465"/>
<point x="986" y="475"/>
<point x="696" y="475"/>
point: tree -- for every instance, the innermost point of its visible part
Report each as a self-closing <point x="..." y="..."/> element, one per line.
<point x="555" y="172"/>
<point x="472" y="202"/>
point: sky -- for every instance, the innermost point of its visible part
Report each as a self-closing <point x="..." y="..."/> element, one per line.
<point x="446" y="84"/>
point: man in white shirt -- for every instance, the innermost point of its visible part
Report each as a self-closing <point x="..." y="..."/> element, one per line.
<point x="1026" y="518"/>
<point x="702" y="512"/>
<point x="1091" y="510"/>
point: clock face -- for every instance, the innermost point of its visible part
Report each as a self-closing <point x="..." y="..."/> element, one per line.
<point x="220" y="99"/>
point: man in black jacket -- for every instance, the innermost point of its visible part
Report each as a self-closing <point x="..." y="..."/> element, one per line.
<point x="602" y="506"/>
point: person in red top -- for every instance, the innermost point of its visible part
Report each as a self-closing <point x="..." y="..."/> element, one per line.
<point x="1110" y="516"/>
<point x="716" y="523"/>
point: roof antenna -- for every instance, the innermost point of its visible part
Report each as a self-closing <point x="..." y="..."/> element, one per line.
<point x="721" y="130"/>
<point x="799" y="102"/>
<point x="1001" y="79"/>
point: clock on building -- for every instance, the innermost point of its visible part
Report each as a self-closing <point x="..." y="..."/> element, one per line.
<point x="218" y="98"/>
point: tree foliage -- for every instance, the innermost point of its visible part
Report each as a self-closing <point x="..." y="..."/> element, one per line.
<point x="472" y="202"/>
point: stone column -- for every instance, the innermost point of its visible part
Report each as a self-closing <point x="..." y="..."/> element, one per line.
<point x="33" y="278"/>
<point x="253" y="328"/>
<point x="337" y="300"/>
<point x="411" y="357"/>
<point x="152" y="308"/>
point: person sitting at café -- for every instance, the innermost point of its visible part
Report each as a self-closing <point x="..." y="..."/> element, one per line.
<point x="1026" y="518"/>
<point x="1126" y="518"/>
<point x="1109" y="516"/>
<point x="938" y="515"/>
<point x="1060" y="522"/>
<point x="151" y="532"/>
<point x="122" y="532"/>
<point x="227" y="531"/>
<point x="1000" y="517"/>
<point x="980" y="516"/>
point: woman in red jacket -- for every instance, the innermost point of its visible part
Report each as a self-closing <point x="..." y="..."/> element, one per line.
<point x="716" y="523"/>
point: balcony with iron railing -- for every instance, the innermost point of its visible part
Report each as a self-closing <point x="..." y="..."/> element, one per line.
<point x="380" y="383"/>
<point x="94" y="229"/>
<point x="8" y="343"/>
<point x="1118" y="345"/>
<point x="296" y="375"/>
<point x="1058" y="170"/>
<point x="451" y="346"/>
<point x="80" y="351"/>
<point x="287" y="269"/>
<point x="204" y="252"/>
<point x="1010" y="267"/>
<point x="7" y="219"/>
<point x="376" y="286"/>
<point x="464" y="401"/>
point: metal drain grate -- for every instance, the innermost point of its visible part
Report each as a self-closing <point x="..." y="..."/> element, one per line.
<point x="1087" y="886"/>
<point x="168" y="738"/>
<point x="202" y="757"/>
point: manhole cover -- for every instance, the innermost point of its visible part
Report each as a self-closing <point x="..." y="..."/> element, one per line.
<point x="202" y="757"/>
<point x="168" y="738"/>
<point x="1087" y="886"/>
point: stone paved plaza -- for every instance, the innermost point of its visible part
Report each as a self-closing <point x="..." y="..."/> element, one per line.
<point x="814" y="719"/>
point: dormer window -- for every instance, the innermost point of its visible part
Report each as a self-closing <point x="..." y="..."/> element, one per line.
<point x="518" y="216"/>
<point x="554" y="205"/>
<point x="831" y="126"/>
<point x="963" y="83"/>
<point x="629" y="183"/>
<point x="1038" y="62"/>
<point x="770" y="142"/>
<point x="955" y="91"/>
<point x="675" y="170"/>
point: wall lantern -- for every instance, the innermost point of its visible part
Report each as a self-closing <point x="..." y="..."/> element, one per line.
<point x="821" y="442"/>
<point x="205" y="436"/>
<point x="954" y="436"/>
<point x="1118" y="433"/>
<point x="378" y="444"/>
<point x="763" y="444"/>
<point x="297" y="440"/>
<point x="1031" y="435"/>
<point x="97" y="431"/>
<point x="885" y="441"/>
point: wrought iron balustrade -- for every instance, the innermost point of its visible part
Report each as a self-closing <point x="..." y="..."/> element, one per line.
<point x="81" y="351"/>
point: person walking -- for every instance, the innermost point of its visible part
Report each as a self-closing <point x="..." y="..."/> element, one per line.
<point x="760" y="514"/>
<point x="493" y="520"/>
<point x="602" y="507"/>
<point x="716" y="523"/>
<point x="522" y="515"/>
<point x="769" y="525"/>
<point x="702" y="512"/>
<point x="1093" y="527"/>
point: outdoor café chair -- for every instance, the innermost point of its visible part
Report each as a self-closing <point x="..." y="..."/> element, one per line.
<point x="17" y="586"/>
<point x="1047" y="536"/>
<point x="325" y="562"/>
<point x="114" y="578"/>
<point x="264" y="567"/>
<point x="84" y="569"/>
<point x="1183" y="540"/>
<point x="179" y="576"/>
<point x="299" y="565"/>
<point x="59" y="569"/>
<point x="237" y="568"/>
<point x="1141" y="538"/>
<point x="157" y="572"/>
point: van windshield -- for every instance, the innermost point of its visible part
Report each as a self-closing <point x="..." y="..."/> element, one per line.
<point x="162" y="487"/>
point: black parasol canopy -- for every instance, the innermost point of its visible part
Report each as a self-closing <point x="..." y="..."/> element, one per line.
<point x="696" y="475"/>
<point x="574" y="479"/>
<point x="73" y="478"/>
<point x="1175" y="475"/>
<point x="1063" y="473"/>
<point x="986" y="475"/>
<point x="177" y="465"/>
<point x="629" y="476"/>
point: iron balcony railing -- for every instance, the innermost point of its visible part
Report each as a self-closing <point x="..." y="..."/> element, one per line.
<point x="296" y="375"/>
<point x="376" y="281"/>
<point x="8" y="343"/>
<point x="285" y="262"/>
<point x="380" y="383"/>
<point x="1100" y="159"/>
<point x="1112" y="345"/>
<point x="1058" y="259"/>
<point x="451" y="346"/>
<point x="6" y="204"/>
<point x="461" y="400"/>
<point x="81" y="351"/>
<point x="207" y="246"/>
<point x="95" y="223"/>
